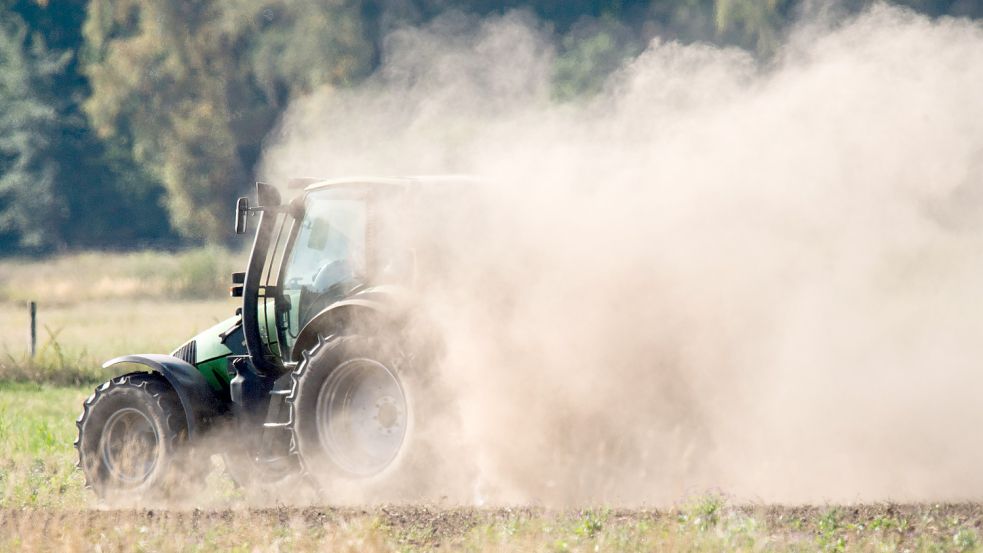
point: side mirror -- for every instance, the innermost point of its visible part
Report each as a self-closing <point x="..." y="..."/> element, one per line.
<point x="242" y="208"/>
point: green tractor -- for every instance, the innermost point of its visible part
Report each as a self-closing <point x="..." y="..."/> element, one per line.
<point x="320" y="374"/>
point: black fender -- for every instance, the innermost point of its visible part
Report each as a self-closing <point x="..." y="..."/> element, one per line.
<point x="338" y="317"/>
<point x="197" y="398"/>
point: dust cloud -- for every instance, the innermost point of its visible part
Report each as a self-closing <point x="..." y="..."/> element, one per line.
<point x="761" y="278"/>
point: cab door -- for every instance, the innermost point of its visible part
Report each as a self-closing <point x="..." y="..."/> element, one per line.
<point x="326" y="257"/>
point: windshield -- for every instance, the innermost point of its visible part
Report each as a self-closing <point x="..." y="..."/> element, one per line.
<point x="329" y="251"/>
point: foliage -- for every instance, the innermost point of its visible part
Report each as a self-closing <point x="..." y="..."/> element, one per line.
<point x="28" y="127"/>
<point x="123" y="122"/>
<point x="195" y="87"/>
<point x="752" y="22"/>
<point x="60" y="186"/>
<point x="591" y="51"/>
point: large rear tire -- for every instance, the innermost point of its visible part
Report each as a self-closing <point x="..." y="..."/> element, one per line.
<point x="132" y="437"/>
<point x="356" y="413"/>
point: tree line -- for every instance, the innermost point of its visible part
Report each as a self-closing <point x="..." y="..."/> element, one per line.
<point x="133" y="123"/>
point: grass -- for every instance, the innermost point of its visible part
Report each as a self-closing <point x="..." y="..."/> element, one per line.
<point x="95" y="276"/>
<point x="37" y="461"/>
<point x="74" y="340"/>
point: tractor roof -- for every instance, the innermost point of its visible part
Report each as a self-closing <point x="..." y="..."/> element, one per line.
<point x="311" y="184"/>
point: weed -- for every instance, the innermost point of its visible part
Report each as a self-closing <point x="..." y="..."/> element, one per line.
<point x="793" y="522"/>
<point x="707" y="512"/>
<point x="45" y="437"/>
<point x="829" y="522"/>
<point x="965" y="539"/>
<point x="590" y="524"/>
<point x="741" y="530"/>
<point x="829" y="537"/>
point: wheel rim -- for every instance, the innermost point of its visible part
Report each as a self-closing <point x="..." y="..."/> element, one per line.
<point x="362" y="416"/>
<point x="129" y="446"/>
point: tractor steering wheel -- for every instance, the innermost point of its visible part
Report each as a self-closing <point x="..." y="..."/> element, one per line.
<point x="330" y="274"/>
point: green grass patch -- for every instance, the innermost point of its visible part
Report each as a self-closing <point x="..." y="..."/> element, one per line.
<point x="37" y="460"/>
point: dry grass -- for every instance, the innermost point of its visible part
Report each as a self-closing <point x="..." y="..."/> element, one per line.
<point x="95" y="306"/>
<point x="96" y="276"/>
<point x="74" y="340"/>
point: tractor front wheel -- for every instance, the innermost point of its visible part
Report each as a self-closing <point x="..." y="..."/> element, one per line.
<point x="131" y="433"/>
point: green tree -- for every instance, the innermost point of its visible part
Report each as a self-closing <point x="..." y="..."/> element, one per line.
<point x="60" y="187"/>
<point x="590" y="52"/>
<point x="195" y="87"/>
<point x="753" y="24"/>
<point x="31" y="211"/>
<point x="191" y="89"/>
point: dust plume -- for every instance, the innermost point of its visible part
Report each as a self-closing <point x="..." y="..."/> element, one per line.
<point x="761" y="278"/>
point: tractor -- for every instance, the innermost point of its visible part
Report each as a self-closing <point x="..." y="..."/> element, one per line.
<point x="322" y="372"/>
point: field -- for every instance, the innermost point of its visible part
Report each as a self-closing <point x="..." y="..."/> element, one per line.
<point x="92" y="307"/>
<point x="43" y="505"/>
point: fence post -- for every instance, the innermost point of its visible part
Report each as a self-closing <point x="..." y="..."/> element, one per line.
<point x="34" y="327"/>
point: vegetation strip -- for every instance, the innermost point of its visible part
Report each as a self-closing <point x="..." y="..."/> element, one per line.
<point x="706" y="524"/>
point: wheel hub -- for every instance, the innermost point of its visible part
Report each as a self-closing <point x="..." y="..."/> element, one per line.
<point x="362" y="416"/>
<point x="388" y="414"/>
<point x="129" y="446"/>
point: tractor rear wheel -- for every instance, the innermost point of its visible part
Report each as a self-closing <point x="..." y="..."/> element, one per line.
<point x="355" y="415"/>
<point x="131" y="435"/>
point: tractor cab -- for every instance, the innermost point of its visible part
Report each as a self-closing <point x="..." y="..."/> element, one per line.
<point x="332" y="242"/>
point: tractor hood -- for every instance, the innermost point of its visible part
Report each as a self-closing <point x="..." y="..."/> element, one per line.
<point x="209" y="348"/>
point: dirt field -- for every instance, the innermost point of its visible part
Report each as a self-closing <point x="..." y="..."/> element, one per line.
<point x="44" y="507"/>
<point x="707" y="525"/>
